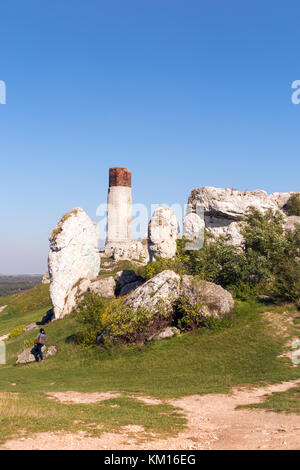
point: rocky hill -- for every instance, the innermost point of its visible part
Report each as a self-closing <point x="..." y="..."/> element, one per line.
<point x="224" y="207"/>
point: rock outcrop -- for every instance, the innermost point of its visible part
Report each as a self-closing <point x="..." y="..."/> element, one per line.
<point x="130" y="287"/>
<point x="104" y="287"/>
<point x="150" y="311"/>
<point x="73" y="256"/>
<point x="214" y="300"/>
<point x="167" y="332"/>
<point x="46" y="279"/>
<point x="160" y="291"/>
<point x="130" y="250"/>
<point x="162" y="234"/>
<point x="223" y="208"/>
<point x="26" y="356"/>
<point x="291" y="222"/>
<point x="127" y="281"/>
<point x="194" y="227"/>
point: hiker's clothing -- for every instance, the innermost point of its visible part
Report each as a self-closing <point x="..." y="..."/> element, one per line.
<point x="40" y="339"/>
<point x="38" y="352"/>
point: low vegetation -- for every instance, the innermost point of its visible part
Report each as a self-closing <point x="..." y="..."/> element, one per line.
<point x="288" y="402"/>
<point x="24" y="308"/>
<point x="267" y="264"/>
<point x="293" y="205"/>
<point x="212" y="356"/>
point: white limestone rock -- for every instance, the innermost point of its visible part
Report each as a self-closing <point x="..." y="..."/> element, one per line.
<point x="124" y="277"/>
<point x="25" y="357"/>
<point x="224" y="207"/>
<point x="128" y="250"/>
<point x="167" y="332"/>
<point x="291" y="222"/>
<point x="214" y="300"/>
<point x="130" y="287"/>
<point x="162" y="233"/>
<point x="160" y="291"/>
<point x="104" y="287"/>
<point x="194" y="227"/>
<point x="46" y="279"/>
<point x="73" y="255"/>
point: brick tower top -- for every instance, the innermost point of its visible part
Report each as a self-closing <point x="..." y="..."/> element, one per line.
<point x="119" y="176"/>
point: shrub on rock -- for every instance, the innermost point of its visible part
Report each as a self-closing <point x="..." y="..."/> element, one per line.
<point x="211" y="299"/>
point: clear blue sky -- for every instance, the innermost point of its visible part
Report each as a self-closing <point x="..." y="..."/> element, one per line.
<point x="184" y="93"/>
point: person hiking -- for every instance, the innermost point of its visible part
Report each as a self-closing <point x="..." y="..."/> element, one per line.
<point x="40" y="341"/>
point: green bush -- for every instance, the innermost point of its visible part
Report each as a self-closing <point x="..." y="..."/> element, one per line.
<point x="190" y="316"/>
<point x="178" y="264"/>
<point x="29" y="343"/>
<point x="122" y="323"/>
<point x="17" y="331"/>
<point x="293" y="205"/>
<point x="267" y="263"/>
<point x="90" y="312"/>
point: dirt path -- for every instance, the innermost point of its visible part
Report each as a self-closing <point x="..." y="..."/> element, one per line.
<point x="213" y="423"/>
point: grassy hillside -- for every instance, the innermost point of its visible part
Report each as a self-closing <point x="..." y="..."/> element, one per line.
<point x="24" y="307"/>
<point x="204" y="361"/>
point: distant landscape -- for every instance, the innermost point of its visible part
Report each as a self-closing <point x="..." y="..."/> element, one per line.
<point x="13" y="284"/>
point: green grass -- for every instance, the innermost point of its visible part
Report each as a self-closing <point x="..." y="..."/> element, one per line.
<point x="24" y="308"/>
<point x="205" y="361"/>
<point x="34" y="412"/>
<point x="288" y="402"/>
<point x="197" y="362"/>
<point x="116" y="266"/>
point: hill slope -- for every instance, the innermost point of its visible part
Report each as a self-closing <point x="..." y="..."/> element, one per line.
<point x="206" y="361"/>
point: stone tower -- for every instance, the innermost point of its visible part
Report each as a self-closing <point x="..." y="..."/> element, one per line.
<point x="119" y="211"/>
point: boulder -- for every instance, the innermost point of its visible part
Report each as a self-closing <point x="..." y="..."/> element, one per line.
<point x="130" y="287"/>
<point x="125" y="277"/>
<point x="127" y="280"/>
<point x="128" y="250"/>
<point x="215" y="301"/>
<point x="73" y="255"/>
<point x="104" y="287"/>
<point x="162" y="234"/>
<point x="145" y="312"/>
<point x="193" y="231"/>
<point x="167" y="332"/>
<point x="291" y="222"/>
<point x="26" y="356"/>
<point x="46" y="279"/>
<point x="224" y="207"/>
<point x="160" y="291"/>
<point x="30" y="327"/>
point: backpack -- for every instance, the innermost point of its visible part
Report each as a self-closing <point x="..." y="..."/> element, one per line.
<point x="39" y="339"/>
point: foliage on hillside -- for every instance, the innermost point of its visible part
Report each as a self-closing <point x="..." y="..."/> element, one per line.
<point x="23" y="308"/>
<point x="293" y="205"/>
<point x="31" y="299"/>
<point x="267" y="263"/>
